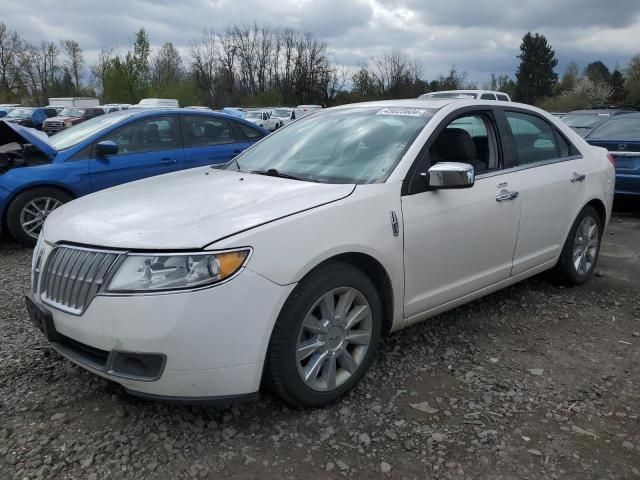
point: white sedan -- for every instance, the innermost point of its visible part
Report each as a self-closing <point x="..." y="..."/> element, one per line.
<point x="289" y="264"/>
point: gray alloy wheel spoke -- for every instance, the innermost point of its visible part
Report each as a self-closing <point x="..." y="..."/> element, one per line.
<point x="358" y="337"/>
<point x="329" y="372"/>
<point x="344" y="305"/>
<point x="308" y="347"/>
<point x="347" y="361"/>
<point x="313" y="367"/>
<point x="334" y="338"/>
<point x="356" y="315"/>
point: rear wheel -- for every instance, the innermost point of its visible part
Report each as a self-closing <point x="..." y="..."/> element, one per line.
<point x="325" y="337"/>
<point x="581" y="249"/>
<point x="29" y="210"/>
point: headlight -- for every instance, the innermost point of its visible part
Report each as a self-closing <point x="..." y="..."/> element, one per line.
<point x="149" y="273"/>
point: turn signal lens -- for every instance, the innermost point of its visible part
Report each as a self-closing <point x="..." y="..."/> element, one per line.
<point x="230" y="262"/>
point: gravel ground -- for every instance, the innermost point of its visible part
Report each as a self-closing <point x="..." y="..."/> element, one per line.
<point x="533" y="382"/>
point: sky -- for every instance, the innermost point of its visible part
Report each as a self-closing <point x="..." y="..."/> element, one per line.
<point x="479" y="37"/>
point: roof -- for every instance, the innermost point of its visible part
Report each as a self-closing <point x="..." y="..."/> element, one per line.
<point x="601" y="111"/>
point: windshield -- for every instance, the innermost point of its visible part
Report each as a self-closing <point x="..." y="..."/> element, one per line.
<point x="72" y="136"/>
<point x="350" y="145"/>
<point x="281" y="113"/>
<point x="20" y="113"/>
<point x="253" y="115"/>
<point x="584" y="120"/>
<point x="72" y="112"/>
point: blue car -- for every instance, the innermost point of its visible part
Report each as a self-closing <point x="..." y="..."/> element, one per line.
<point x="4" y="111"/>
<point x="621" y="136"/>
<point x="32" y="117"/>
<point x="38" y="174"/>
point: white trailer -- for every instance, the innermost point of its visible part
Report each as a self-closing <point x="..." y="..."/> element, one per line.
<point x="74" y="102"/>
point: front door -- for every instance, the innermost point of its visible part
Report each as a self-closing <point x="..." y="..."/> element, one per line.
<point x="146" y="148"/>
<point x="458" y="242"/>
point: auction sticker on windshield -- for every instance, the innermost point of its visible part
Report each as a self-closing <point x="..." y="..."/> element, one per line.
<point x="407" y="112"/>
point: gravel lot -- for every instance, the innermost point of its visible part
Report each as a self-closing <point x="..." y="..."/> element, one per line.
<point x="536" y="381"/>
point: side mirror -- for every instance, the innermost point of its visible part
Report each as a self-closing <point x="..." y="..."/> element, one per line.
<point x="447" y="175"/>
<point x="106" y="147"/>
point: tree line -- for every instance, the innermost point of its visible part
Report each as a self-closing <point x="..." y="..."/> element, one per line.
<point x="253" y="64"/>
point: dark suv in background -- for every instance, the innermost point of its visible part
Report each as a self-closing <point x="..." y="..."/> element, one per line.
<point x="69" y="117"/>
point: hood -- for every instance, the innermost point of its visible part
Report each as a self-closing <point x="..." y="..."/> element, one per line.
<point x="184" y="210"/>
<point x="60" y="118"/>
<point x="12" y="132"/>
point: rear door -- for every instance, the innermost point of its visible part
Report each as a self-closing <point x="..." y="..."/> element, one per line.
<point x="551" y="175"/>
<point x="147" y="147"/>
<point x="210" y="139"/>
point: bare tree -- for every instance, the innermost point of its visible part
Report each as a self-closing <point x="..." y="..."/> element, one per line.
<point x="74" y="62"/>
<point x="99" y="69"/>
<point x="205" y="60"/>
<point x="10" y="51"/>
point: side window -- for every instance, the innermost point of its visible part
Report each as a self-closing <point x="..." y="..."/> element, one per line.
<point x="149" y="135"/>
<point x="248" y="132"/>
<point x="200" y="130"/>
<point x="503" y="98"/>
<point x="535" y="140"/>
<point x="469" y="139"/>
<point x="488" y="96"/>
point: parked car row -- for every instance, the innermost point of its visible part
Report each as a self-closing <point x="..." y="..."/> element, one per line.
<point x="38" y="175"/>
<point x="288" y="264"/>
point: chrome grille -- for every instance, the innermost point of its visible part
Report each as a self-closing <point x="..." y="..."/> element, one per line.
<point x="73" y="276"/>
<point x="37" y="270"/>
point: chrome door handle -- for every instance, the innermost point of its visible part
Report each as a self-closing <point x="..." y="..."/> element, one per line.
<point x="578" y="177"/>
<point x="506" y="195"/>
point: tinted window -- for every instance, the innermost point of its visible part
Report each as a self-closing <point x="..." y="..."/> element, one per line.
<point x="535" y="140"/>
<point x="488" y="96"/>
<point x="618" y="128"/>
<point x="469" y="139"/>
<point x="248" y="132"/>
<point x="159" y="133"/>
<point x="199" y="130"/>
<point x="503" y="98"/>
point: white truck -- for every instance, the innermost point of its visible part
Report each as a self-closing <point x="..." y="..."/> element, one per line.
<point x="74" y="102"/>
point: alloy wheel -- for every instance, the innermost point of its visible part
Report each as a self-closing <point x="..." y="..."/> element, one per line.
<point x="35" y="212"/>
<point x="585" y="245"/>
<point x="334" y="338"/>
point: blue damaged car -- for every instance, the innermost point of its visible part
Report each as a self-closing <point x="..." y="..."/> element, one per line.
<point x="40" y="173"/>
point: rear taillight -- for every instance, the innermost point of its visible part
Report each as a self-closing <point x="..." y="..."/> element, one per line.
<point x="611" y="159"/>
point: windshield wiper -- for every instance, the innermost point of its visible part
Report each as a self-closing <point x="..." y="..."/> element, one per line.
<point x="272" y="172"/>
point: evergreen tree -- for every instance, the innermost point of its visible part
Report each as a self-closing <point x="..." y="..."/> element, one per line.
<point x="597" y="72"/>
<point x="616" y="82"/>
<point x="535" y="75"/>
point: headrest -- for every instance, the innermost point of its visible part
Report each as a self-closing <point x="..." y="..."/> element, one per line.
<point x="455" y="145"/>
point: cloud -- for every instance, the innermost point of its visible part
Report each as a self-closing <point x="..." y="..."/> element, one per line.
<point x="479" y="37"/>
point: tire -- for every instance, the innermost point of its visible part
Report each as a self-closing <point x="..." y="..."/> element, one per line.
<point x="33" y="206"/>
<point x="343" y="349"/>
<point x="581" y="249"/>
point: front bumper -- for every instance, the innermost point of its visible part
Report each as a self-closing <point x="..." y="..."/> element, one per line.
<point x="213" y="341"/>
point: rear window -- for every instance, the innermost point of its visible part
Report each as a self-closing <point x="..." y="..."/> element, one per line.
<point x="618" y="128"/>
<point x="584" y="120"/>
<point x="503" y="98"/>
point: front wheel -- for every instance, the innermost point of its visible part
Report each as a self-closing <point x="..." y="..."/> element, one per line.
<point x="325" y="337"/>
<point x="581" y="249"/>
<point x="29" y="210"/>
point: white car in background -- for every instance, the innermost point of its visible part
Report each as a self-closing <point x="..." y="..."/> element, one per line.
<point x="263" y="119"/>
<point x="467" y="94"/>
<point x="284" y="115"/>
<point x="291" y="262"/>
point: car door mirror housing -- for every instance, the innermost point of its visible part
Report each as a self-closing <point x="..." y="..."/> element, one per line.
<point x="447" y="175"/>
<point x="107" y="147"/>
